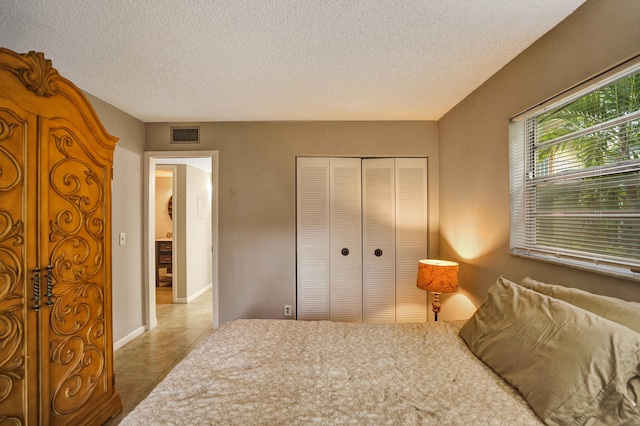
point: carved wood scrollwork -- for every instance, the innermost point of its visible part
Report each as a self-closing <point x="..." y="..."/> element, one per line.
<point x="77" y="257"/>
<point x="56" y="159"/>
<point x="11" y="254"/>
<point x="12" y="329"/>
<point x="84" y="366"/>
<point x="10" y="421"/>
<point x="39" y="75"/>
<point x="6" y="129"/>
<point x="10" y="171"/>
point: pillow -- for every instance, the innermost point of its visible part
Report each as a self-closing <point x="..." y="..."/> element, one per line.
<point x="572" y="366"/>
<point x="617" y="310"/>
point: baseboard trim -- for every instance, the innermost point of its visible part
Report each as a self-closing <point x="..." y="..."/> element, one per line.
<point x="194" y="296"/>
<point x="129" y="337"/>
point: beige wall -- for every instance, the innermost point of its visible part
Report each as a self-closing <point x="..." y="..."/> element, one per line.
<point x="474" y="181"/>
<point x="128" y="293"/>
<point x="257" y="260"/>
<point x="468" y="178"/>
<point x="194" y="232"/>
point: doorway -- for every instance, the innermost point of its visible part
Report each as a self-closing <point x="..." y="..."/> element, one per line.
<point x="201" y="159"/>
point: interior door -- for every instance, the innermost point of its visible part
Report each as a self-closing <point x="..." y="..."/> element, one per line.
<point x="411" y="237"/>
<point x="361" y="229"/>
<point x="346" y="240"/>
<point x="378" y="231"/>
<point x="312" y="208"/>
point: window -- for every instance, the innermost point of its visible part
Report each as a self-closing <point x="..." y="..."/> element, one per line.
<point x="575" y="178"/>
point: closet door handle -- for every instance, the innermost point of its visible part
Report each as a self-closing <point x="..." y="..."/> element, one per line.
<point x="36" y="288"/>
<point x="345" y="251"/>
<point x="378" y="252"/>
<point x="49" y="285"/>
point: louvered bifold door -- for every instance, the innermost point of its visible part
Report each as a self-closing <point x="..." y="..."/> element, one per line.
<point x="346" y="240"/>
<point x="411" y="237"/>
<point x="313" y="199"/>
<point x="378" y="229"/>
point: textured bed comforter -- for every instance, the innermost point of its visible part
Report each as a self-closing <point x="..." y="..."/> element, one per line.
<point x="276" y="372"/>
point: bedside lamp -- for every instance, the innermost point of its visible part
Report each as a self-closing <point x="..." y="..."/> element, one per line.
<point x="437" y="276"/>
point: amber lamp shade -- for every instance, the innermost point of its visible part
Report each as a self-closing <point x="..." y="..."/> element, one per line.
<point x="437" y="276"/>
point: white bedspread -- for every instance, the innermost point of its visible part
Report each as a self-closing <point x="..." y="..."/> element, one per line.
<point x="276" y="372"/>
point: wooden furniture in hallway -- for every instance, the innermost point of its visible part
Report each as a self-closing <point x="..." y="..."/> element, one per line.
<point x="164" y="261"/>
<point x="56" y="164"/>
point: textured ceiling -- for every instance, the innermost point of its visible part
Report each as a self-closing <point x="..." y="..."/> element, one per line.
<point x="255" y="60"/>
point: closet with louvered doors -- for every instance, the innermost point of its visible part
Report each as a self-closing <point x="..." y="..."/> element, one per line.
<point x="361" y="228"/>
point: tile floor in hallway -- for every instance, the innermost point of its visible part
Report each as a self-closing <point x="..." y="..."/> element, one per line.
<point x="143" y="362"/>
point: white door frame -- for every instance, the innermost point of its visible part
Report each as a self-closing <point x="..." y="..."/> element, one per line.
<point x="150" y="157"/>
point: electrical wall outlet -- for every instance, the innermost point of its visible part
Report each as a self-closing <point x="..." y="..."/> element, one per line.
<point x="287" y="310"/>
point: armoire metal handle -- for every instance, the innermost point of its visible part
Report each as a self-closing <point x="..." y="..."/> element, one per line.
<point x="378" y="252"/>
<point x="345" y="251"/>
<point x="49" y="285"/>
<point x="36" y="288"/>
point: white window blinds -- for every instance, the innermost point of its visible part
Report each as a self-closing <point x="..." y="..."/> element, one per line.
<point x="575" y="179"/>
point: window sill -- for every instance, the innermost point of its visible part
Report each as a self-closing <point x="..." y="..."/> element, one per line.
<point x="612" y="271"/>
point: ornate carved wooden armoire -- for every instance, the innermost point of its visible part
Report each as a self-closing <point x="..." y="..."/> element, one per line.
<point x="56" y="342"/>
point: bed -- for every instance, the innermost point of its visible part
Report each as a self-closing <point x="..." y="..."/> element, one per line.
<point x="497" y="368"/>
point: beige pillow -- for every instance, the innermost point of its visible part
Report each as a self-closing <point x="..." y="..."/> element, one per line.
<point x="618" y="310"/>
<point x="572" y="366"/>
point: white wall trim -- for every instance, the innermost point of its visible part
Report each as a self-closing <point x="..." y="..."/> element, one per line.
<point x="129" y="337"/>
<point x="194" y="296"/>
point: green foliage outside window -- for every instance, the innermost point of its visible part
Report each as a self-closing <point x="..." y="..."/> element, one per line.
<point x="586" y="171"/>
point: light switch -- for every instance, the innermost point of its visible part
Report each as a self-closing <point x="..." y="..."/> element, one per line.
<point x="123" y="238"/>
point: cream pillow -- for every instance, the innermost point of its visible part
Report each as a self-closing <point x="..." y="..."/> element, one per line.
<point x="618" y="310"/>
<point x="572" y="366"/>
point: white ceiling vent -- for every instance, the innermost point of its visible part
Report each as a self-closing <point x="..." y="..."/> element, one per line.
<point x="185" y="134"/>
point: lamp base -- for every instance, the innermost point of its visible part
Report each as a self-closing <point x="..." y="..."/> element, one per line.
<point x="435" y="306"/>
